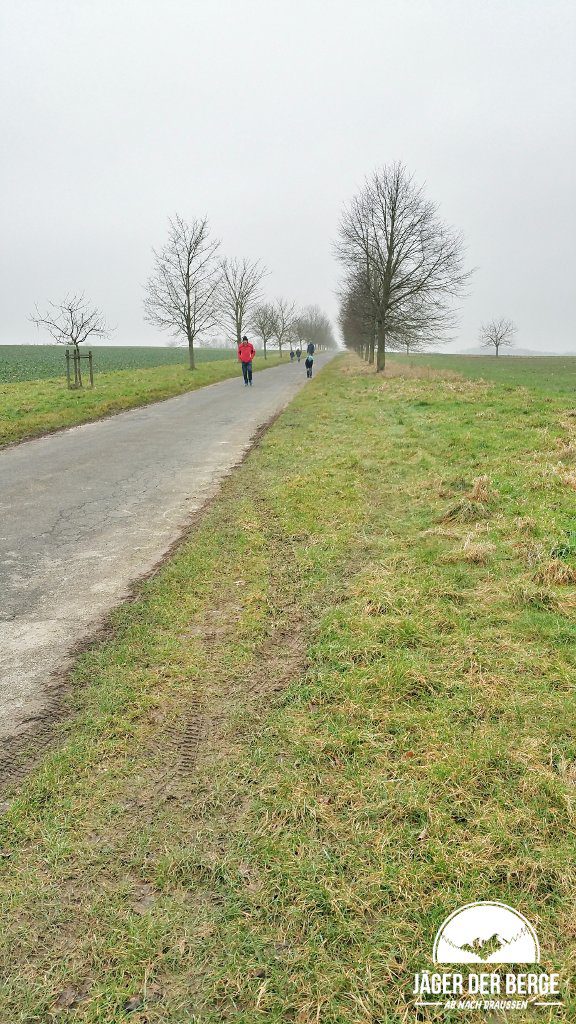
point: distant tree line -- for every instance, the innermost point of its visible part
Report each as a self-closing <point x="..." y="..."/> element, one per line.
<point x="191" y="292"/>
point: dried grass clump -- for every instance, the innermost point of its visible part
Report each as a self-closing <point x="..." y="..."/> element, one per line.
<point x="480" y="489"/>
<point x="567" y="769"/>
<point x="531" y="552"/>
<point x="465" y="511"/>
<point x="569" y="479"/>
<point x="524" y="523"/>
<point x="567" y="450"/>
<point x="556" y="571"/>
<point x="568" y="604"/>
<point x="535" y="595"/>
<point x="473" y="505"/>
<point x="441" y="531"/>
<point x="376" y="608"/>
<point x="476" y="551"/>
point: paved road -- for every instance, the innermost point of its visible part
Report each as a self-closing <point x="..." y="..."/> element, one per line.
<point x="85" y="512"/>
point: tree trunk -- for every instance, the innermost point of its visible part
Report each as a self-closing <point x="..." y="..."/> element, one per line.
<point x="264" y="342"/>
<point x="77" y="367"/>
<point x="191" y="352"/>
<point x="381" y="353"/>
<point x="497" y="348"/>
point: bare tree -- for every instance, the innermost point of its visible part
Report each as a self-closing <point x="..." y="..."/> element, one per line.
<point x="285" y="318"/>
<point x="409" y="262"/>
<point x="498" y="333"/>
<point x="264" y="323"/>
<point x="312" y="325"/>
<point x="238" y="294"/>
<point x="72" y="321"/>
<point x="182" y="290"/>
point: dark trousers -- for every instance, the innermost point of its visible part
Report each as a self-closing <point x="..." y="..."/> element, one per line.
<point x="247" y="372"/>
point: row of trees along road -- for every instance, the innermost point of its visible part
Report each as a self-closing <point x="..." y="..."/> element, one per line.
<point x="192" y="291"/>
<point x="404" y="268"/>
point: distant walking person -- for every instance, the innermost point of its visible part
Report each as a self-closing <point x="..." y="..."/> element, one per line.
<point x="298" y="353"/>
<point x="310" y="348"/>
<point x="291" y="355"/>
<point x="309" y="363"/>
<point x="246" y="353"/>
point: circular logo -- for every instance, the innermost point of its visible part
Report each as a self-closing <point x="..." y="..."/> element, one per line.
<point x="486" y="933"/>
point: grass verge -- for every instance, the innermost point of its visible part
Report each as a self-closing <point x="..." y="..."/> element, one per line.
<point x="345" y="708"/>
<point x="31" y="408"/>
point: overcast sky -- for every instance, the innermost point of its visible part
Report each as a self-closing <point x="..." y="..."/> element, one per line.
<point x="267" y="115"/>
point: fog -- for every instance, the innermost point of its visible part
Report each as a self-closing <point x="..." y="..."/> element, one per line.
<point x="267" y="116"/>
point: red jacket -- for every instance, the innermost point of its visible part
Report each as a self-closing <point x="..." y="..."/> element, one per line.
<point x="246" y="352"/>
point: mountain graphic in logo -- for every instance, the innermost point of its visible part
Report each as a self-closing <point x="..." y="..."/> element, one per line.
<point x="486" y="932"/>
<point x="484" y="948"/>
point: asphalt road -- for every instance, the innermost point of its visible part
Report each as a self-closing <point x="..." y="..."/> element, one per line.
<point x="85" y="512"/>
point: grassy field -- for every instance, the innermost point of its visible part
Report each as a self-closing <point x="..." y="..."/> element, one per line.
<point x="342" y="710"/>
<point x="544" y="374"/>
<point x="38" y="362"/>
<point x="35" y="407"/>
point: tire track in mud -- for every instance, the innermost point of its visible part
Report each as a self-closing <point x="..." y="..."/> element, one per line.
<point x="278" y="658"/>
<point x="25" y="750"/>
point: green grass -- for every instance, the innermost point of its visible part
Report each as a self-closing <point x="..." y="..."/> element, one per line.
<point x="370" y="642"/>
<point x="31" y="408"/>
<point x="545" y="374"/>
<point x="38" y="362"/>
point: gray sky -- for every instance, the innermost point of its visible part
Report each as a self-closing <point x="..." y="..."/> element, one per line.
<point x="266" y="115"/>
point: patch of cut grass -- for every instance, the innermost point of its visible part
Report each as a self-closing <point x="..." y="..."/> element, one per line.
<point x="34" y="407"/>
<point x="386" y="731"/>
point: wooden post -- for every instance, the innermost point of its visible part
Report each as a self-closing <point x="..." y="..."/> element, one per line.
<point x="90" y="368"/>
<point x="68" y="367"/>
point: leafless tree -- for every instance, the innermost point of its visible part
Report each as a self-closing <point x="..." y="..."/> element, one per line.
<point x="498" y="333"/>
<point x="238" y="294"/>
<point x="285" y="312"/>
<point x="72" y="321"/>
<point x="312" y="325"/>
<point x="411" y="265"/>
<point x="264" y="323"/>
<point x="182" y="290"/>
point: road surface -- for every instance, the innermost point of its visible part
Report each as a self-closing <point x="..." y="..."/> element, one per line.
<point x="85" y="512"/>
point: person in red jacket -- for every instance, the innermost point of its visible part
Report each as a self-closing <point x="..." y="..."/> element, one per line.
<point x="246" y="353"/>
